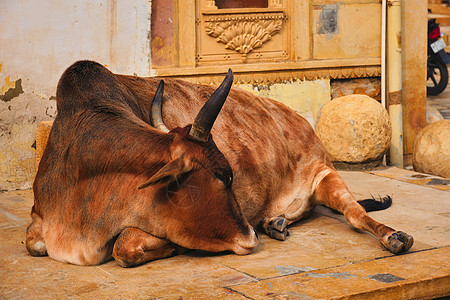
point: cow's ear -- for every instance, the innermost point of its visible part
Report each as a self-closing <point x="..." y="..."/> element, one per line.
<point x="169" y="173"/>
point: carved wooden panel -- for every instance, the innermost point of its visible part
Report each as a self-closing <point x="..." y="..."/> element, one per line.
<point x="282" y="76"/>
<point x="287" y="40"/>
<point x="242" y="37"/>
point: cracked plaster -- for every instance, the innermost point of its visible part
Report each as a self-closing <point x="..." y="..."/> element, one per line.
<point x="39" y="40"/>
<point x="18" y="121"/>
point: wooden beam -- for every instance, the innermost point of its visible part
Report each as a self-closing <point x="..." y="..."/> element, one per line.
<point x="414" y="60"/>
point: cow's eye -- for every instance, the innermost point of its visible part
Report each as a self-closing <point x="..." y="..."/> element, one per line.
<point x="225" y="176"/>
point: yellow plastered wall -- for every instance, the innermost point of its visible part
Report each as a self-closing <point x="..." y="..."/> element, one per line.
<point x="305" y="97"/>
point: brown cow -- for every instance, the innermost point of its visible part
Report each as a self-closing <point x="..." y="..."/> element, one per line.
<point x="101" y="148"/>
<point x="111" y="184"/>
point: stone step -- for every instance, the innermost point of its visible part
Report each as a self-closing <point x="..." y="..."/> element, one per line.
<point x="439" y="9"/>
<point x="437" y="2"/>
<point x="443" y="20"/>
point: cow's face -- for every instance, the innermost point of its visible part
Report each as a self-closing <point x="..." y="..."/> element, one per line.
<point x="194" y="198"/>
<point x="195" y="201"/>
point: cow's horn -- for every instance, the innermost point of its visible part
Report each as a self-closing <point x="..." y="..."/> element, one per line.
<point x="156" y="109"/>
<point x="207" y="115"/>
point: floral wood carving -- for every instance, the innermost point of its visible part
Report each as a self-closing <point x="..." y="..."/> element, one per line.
<point x="282" y="76"/>
<point x="243" y="33"/>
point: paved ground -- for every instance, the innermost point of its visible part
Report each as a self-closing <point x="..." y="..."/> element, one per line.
<point x="441" y="102"/>
<point x="323" y="257"/>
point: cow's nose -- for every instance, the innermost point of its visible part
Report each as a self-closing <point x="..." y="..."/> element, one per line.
<point x="245" y="244"/>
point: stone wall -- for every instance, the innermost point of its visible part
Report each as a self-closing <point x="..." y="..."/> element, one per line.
<point x="366" y="86"/>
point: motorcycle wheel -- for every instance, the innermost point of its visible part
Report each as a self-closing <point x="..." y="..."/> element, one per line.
<point x="437" y="76"/>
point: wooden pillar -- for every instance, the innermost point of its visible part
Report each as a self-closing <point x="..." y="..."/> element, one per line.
<point x="414" y="71"/>
<point x="394" y="68"/>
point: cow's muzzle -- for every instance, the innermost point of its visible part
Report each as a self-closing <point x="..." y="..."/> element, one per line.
<point x="244" y="245"/>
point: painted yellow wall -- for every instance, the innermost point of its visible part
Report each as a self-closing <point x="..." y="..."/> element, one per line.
<point x="358" y="32"/>
<point x="305" y="97"/>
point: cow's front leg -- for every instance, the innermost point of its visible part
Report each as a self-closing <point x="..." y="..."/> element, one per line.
<point x="332" y="192"/>
<point x="134" y="247"/>
<point x="276" y="227"/>
<point x="35" y="242"/>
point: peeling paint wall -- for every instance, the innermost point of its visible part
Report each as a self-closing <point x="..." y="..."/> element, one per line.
<point x="38" y="41"/>
<point x="305" y="97"/>
<point x="11" y="89"/>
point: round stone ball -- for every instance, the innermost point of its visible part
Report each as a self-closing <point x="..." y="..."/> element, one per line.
<point x="431" y="149"/>
<point x="354" y="129"/>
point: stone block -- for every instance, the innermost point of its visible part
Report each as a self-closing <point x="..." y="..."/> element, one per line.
<point x="367" y="86"/>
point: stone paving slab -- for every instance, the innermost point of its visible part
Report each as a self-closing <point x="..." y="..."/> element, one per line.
<point x="322" y="258"/>
<point x="408" y="276"/>
<point x="414" y="177"/>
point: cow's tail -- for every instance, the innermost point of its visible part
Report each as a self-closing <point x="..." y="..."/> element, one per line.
<point x="373" y="204"/>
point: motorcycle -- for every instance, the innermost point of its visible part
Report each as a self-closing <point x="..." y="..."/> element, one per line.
<point x="437" y="72"/>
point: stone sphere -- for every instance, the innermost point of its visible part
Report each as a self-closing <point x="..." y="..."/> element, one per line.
<point x="354" y="129"/>
<point x="431" y="150"/>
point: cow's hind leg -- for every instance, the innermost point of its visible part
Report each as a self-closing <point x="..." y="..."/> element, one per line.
<point x="134" y="247"/>
<point x="332" y="192"/>
<point x="35" y="242"/>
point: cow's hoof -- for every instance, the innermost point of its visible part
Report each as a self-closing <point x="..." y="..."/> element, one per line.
<point x="277" y="229"/>
<point x="399" y="242"/>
